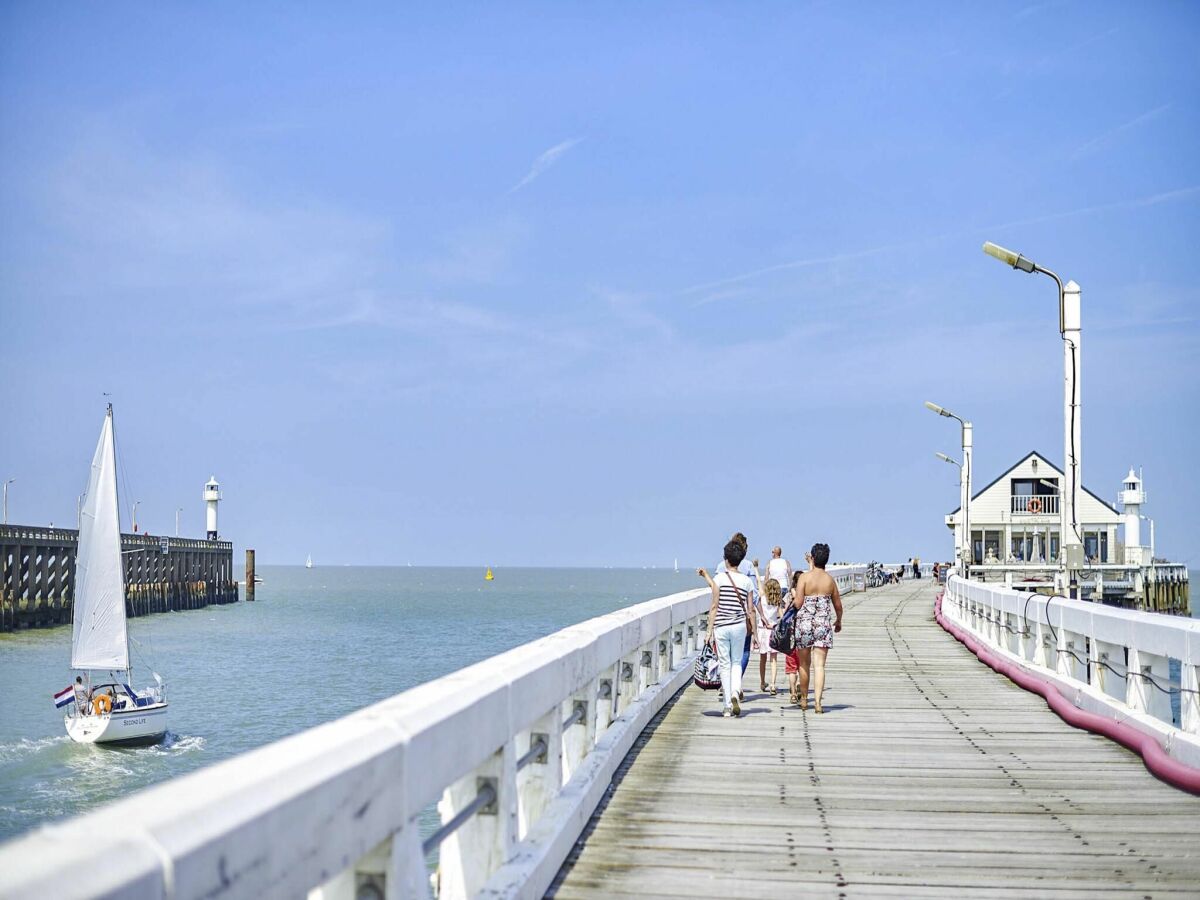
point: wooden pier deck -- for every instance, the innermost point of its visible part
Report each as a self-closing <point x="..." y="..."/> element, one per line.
<point x="929" y="775"/>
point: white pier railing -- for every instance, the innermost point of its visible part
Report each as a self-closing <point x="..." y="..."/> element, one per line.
<point x="517" y="751"/>
<point x="1106" y="660"/>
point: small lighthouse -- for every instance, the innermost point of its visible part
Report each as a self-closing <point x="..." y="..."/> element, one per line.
<point x="1132" y="497"/>
<point x="212" y="495"/>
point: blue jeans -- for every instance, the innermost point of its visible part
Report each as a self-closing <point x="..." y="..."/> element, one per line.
<point x="745" y="655"/>
<point x="729" y="640"/>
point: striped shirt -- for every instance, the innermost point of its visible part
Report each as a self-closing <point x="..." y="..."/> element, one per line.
<point x="731" y="606"/>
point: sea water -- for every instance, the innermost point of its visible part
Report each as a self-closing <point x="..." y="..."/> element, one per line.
<point x="315" y="645"/>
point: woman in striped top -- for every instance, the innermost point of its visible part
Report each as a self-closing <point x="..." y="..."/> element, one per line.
<point x="729" y="622"/>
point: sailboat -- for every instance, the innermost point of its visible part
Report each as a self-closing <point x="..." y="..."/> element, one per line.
<point x="109" y="711"/>
<point x="308" y="562"/>
<point x="677" y="565"/>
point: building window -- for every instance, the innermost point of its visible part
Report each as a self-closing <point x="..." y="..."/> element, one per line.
<point x="977" y="547"/>
<point x="991" y="545"/>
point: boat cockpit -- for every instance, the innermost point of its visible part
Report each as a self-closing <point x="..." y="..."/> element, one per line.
<point x="112" y="697"/>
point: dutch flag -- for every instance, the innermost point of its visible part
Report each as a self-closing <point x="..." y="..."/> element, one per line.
<point x="63" y="697"/>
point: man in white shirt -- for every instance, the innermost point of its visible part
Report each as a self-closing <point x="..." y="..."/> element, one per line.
<point x="780" y="570"/>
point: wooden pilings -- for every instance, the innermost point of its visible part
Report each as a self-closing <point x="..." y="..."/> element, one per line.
<point x="37" y="575"/>
<point x="250" y="575"/>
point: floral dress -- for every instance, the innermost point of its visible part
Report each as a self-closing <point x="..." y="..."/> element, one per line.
<point x="814" y="623"/>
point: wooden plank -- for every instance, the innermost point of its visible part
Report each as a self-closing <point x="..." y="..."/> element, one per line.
<point x="928" y="775"/>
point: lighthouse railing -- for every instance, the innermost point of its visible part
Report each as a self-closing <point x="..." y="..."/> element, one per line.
<point x="515" y="751"/>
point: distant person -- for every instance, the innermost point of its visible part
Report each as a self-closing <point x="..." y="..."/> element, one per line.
<point x="817" y="597"/>
<point x="769" y="613"/>
<point x="916" y="567"/>
<point x="729" y="623"/>
<point x="779" y="570"/>
<point x="937" y="571"/>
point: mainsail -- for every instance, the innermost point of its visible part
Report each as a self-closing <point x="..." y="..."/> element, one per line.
<point x="98" y="625"/>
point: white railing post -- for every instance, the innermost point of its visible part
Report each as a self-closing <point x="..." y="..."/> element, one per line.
<point x="539" y="781"/>
<point x="1107" y="659"/>
<point x="578" y="739"/>
<point x="1146" y="698"/>
<point x="483" y="843"/>
<point x="1189" y="698"/>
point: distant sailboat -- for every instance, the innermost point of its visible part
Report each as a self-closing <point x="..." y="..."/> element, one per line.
<point x="488" y="576"/>
<point x="112" y="712"/>
<point x="308" y="562"/>
<point x="677" y="565"/>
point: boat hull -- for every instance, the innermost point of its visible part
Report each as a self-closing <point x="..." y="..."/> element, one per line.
<point x="126" y="727"/>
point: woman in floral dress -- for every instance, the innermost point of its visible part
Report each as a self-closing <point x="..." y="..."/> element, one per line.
<point x="819" y="618"/>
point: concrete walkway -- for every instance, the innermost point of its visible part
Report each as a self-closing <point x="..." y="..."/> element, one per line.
<point x="928" y="776"/>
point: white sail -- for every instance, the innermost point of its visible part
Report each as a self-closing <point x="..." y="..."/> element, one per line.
<point x="99" y="638"/>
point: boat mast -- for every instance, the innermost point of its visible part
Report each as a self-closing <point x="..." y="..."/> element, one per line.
<point x="121" y="567"/>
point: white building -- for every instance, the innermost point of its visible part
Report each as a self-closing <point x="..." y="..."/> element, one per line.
<point x="1016" y="518"/>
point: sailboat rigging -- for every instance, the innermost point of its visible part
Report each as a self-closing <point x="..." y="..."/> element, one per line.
<point x="111" y="712"/>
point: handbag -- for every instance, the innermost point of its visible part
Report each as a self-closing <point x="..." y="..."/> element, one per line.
<point x="708" y="671"/>
<point x="783" y="635"/>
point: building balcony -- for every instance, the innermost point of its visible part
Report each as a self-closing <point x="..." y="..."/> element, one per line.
<point x="1042" y="505"/>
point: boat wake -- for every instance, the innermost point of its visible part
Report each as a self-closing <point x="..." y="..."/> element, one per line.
<point x="16" y="751"/>
<point x="176" y="744"/>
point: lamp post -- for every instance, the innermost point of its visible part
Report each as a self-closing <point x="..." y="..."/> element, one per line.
<point x="1071" y="549"/>
<point x="6" y="484"/>
<point x="1151" y="521"/>
<point x="963" y="544"/>
<point x="177" y="512"/>
<point x="134" y="515"/>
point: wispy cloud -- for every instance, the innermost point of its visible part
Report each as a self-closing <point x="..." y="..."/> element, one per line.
<point x="544" y="162"/>
<point x="834" y="259"/>
<point x="1102" y="139"/>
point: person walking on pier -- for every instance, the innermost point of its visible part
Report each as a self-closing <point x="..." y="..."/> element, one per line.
<point x="780" y="570"/>
<point x="820" y="617"/>
<point x="769" y="613"/>
<point x="730" y="622"/>
<point x="751" y="570"/>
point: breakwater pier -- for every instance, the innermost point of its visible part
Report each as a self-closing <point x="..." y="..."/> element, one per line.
<point x="583" y="764"/>
<point x="162" y="574"/>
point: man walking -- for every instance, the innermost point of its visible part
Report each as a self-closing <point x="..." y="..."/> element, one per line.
<point x="780" y="570"/>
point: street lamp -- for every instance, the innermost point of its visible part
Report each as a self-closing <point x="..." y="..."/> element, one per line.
<point x="134" y="515"/>
<point x="6" y="484"/>
<point x="944" y="458"/>
<point x="1071" y="551"/>
<point x="177" y="512"/>
<point x="962" y="543"/>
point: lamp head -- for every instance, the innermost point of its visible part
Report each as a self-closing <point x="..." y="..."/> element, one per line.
<point x="935" y="408"/>
<point x="1016" y="260"/>
<point x="944" y="458"/>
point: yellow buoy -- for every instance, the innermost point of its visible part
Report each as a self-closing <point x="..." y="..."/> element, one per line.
<point x="489" y="576"/>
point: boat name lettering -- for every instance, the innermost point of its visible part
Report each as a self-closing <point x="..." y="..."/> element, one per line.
<point x="129" y="722"/>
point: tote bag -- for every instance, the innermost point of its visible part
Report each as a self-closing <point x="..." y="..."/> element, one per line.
<point x="708" y="671"/>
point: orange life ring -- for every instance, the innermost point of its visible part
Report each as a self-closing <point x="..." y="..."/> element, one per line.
<point x="102" y="704"/>
<point x="1035" y="506"/>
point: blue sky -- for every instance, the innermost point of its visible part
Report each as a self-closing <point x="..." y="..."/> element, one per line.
<point x="556" y="284"/>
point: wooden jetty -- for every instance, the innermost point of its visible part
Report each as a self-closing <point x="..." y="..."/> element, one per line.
<point x="585" y="765"/>
<point x="928" y="775"/>
<point x="162" y="574"/>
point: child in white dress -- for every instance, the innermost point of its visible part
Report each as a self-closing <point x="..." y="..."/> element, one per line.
<point x="769" y="612"/>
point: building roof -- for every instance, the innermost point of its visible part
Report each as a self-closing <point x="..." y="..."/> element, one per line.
<point x="1042" y="457"/>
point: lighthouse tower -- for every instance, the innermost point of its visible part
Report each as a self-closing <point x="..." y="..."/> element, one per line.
<point x="1132" y="497"/>
<point x="212" y="494"/>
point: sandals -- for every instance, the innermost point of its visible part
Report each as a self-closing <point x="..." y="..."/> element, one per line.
<point x="817" y="709"/>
